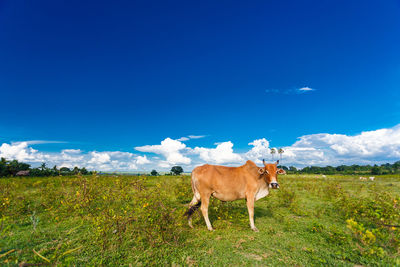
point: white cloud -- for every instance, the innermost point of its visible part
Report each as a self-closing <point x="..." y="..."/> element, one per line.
<point x="40" y="142"/>
<point x="140" y="160"/>
<point x="170" y="149"/>
<point x="19" y="151"/>
<point x="99" y="157"/>
<point x="292" y="91"/>
<point x="196" y="136"/>
<point x="259" y="151"/>
<point x="186" y="138"/>
<point x="306" y="89"/>
<point x="223" y="153"/>
<point x="368" y="147"/>
<point x="71" y="151"/>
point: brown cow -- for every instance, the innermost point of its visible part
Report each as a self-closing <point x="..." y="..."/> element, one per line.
<point x="231" y="183"/>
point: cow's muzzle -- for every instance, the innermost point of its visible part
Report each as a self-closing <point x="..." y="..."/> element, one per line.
<point x="274" y="185"/>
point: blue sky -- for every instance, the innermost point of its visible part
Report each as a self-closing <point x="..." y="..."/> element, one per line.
<point x="100" y="76"/>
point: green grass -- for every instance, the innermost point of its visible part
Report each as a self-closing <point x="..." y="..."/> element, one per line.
<point x="310" y="221"/>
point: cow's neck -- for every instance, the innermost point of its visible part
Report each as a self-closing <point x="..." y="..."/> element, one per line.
<point x="263" y="190"/>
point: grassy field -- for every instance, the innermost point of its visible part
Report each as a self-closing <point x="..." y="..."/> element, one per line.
<point x="126" y="220"/>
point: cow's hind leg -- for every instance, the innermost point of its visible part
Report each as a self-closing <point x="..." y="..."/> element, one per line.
<point x="204" y="209"/>
<point x="193" y="206"/>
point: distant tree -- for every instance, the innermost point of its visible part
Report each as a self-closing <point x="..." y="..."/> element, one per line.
<point x="176" y="170"/>
<point x="3" y="167"/>
<point x="36" y="172"/>
<point x="43" y="166"/>
<point x="84" y="171"/>
<point x="154" y="173"/>
<point x="292" y="169"/>
<point x="14" y="166"/>
<point x="396" y="166"/>
<point x="75" y="170"/>
<point x="328" y="170"/>
<point x="65" y="171"/>
<point x="376" y="170"/>
<point x="280" y="151"/>
<point x="273" y="151"/>
<point x="55" y="171"/>
<point x="283" y="167"/>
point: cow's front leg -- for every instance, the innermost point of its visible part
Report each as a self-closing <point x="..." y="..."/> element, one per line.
<point x="250" y="208"/>
<point x="204" y="209"/>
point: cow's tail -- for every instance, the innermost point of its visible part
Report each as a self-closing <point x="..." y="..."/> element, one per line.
<point x="192" y="209"/>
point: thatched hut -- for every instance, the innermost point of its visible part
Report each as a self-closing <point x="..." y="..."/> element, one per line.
<point x="22" y="173"/>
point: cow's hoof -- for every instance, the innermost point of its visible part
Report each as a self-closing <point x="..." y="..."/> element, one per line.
<point x="255" y="229"/>
<point x="210" y="229"/>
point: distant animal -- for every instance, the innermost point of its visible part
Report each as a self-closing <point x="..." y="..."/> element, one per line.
<point x="363" y="178"/>
<point x="248" y="182"/>
<point x="372" y="178"/>
<point x="324" y="176"/>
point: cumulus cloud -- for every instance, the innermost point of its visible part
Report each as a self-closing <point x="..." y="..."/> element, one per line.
<point x="19" y="151"/>
<point x="140" y="160"/>
<point x="368" y="147"/>
<point x="223" y="153"/>
<point x="259" y="151"/>
<point x="99" y="157"/>
<point x="171" y="149"/>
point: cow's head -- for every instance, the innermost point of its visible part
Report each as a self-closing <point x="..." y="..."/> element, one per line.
<point x="270" y="172"/>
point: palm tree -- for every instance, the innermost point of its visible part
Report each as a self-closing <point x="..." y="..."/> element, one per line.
<point x="43" y="166"/>
<point x="273" y="151"/>
<point x="280" y="151"/>
<point x="76" y="170"/>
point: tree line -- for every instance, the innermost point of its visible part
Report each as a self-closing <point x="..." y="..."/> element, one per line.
<point x="14" y="167"/>
<point x="344" y="169"/>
